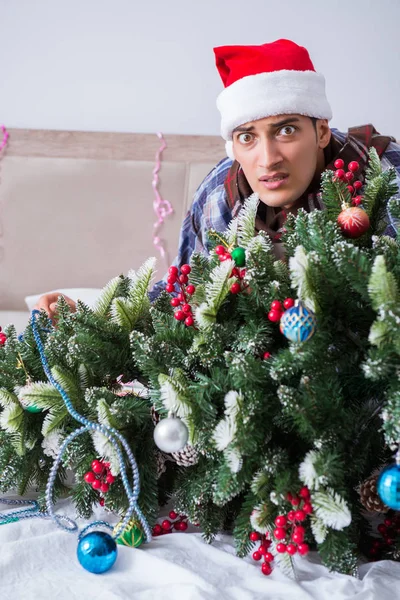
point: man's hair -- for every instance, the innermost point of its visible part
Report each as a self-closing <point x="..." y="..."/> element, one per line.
<point x="314" y="122"/>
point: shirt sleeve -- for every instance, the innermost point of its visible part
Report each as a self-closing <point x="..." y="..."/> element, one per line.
<point x="391" y="158"/>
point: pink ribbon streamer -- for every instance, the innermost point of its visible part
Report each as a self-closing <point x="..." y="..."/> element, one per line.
<point x="4" y="141"/>
<point x="162" y="208"/>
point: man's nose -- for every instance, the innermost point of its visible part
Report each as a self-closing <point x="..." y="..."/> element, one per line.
<point x="269" y="154"/>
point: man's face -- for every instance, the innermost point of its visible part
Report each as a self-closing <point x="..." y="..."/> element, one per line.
<point x="281" y="155"/>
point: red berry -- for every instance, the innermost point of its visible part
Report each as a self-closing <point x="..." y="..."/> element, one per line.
<point x="223" y="257"/>
<point x="382" y="528"/>
<point x="110" y="479"/>
<point x="300" y="515"/>
<point x="181" y="297"/>
<point x="357" y="201"/>
<point x="256" y="555"/>
<point x="235" y="272"/>
<point x="303" y="549"/>
<point x="183" y="526"/>
<point x="235" y="288"/>
<point x="266" y="355"/>
<point x="183" y="278"/>
<point x="220" y="250"/>
<point x="290" y="515"/>
<point x="97" y="466"/>
<point x="351" y="189"/>
<point x="340" y="174"/>
<point x="263" y="549"/>
<point x="104" y="488"/>
<point x="173" y="515"/>
<point x="266" y="568"/>
<point x="175" y="302"/>
<point x="173" y="270"/>
<point x="157" y="529"/>
<point x="274" y="316"/>
<point x="339" y="163"/>
<point x="189" y="321"/>
<point x="289" y="497"/>
<point x="353" y="166"/>
<point x="187" y="309"/>
<point x="89" y="477"/>
<point x="179" y="315"/>
<point x="281" y="521"/>
<point x="268" y="557"/>
<point x="295" y="501"/>
<point x="276" y="305"/>
<point x="169" y="288"/>
<point x="388" y="522"/>
<point x="291" y="549"/>
<point x="281" y="548"/>
<point x="280" y="533"/>
<point x="3" y="339"/>
<point x="307" y="508"/>
<point x="186" y="269"/>
<point x="304" y="493"/>
<point x="297" y="537"/>
<point x="101" y="501"/>
<point x="349" y="176"/>
<point x="96" y="484"/>
<point x="288" y="303"/>
<point x="190" y="289"/>
<point x="172" y="278"/>
<point x="267" y="543"/>
<point x="254" y="536"/>
<point x="357" y="185"/>
<point x="166" y="525"/>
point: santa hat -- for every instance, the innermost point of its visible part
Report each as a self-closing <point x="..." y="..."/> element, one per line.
<point x="272" y="79"/>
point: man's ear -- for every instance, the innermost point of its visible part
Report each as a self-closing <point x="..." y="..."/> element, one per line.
<point x="323" y="133"/>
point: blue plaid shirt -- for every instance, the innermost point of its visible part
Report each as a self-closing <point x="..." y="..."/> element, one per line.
<point x="210" y="209"/>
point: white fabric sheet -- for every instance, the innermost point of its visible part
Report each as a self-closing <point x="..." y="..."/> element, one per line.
<point x="38" y="562"/>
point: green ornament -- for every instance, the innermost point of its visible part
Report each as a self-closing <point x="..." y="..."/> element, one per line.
<point x="32" y="408"/>
<point x="132" y="535"/>
<point x="239" y="256"/>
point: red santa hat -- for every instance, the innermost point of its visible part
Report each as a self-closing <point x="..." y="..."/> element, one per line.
<point x="272" y="79"/>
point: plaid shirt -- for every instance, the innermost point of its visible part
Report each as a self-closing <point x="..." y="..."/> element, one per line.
<point x="211" y="208"/>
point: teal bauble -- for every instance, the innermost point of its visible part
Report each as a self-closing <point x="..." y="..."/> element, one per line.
<point x="388" y="486"/>
<point x="239" y="256"/>
<point x="97" y="551"/>
<point x="298" y="324"/>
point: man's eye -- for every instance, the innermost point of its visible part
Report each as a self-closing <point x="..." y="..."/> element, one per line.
<point x="287" y="130"/>
<point x="245" y="138"/>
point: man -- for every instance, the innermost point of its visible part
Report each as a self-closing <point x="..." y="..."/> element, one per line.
<point x="274" y="118"/>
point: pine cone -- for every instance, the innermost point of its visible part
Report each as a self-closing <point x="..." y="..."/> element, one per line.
<point x="187" y="457"/>
<point x="161" y="468"/>
<point x="369" y="497"/>
<point x="155" y="417"/>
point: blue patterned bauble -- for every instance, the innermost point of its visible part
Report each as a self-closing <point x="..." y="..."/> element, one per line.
<point x="388" y="486"/>
<point x="298" y="323"/>
<point x="97" y="551"/>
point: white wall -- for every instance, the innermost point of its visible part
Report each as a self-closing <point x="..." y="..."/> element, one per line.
<point x="124" y="65"/>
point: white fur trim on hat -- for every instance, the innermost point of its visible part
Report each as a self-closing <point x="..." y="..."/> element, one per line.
<point x="277" y="93"/>
<point x="229" y="149"/>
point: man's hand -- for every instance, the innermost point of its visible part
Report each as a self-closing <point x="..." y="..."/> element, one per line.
<point x="48" y="303"/>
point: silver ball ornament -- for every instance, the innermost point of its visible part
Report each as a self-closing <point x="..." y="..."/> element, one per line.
<point x="171" y="435"/>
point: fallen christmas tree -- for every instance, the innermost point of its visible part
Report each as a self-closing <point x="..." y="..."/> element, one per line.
<point x="284" y="422"/>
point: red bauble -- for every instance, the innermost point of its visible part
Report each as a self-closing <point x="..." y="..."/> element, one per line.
<point x="276" y="305"/>
<point x="189" y="321"/>
<point x="220" y="250"/>
<point x="274" y="316"/>
<point x="288" y="303"/>
<point x="254" y="536"/>
<point x="266" y="568"/>
<point x="338" y="164"/>
<point x="353" y="222"/>
<point x="280" y="521"/>
<point x="281" y="548"/>
<point x="303" y="549"/>
<point x="97" y="466"/>
<point x="89" y="477"/>
<point x="185" y="269"/>
<point x="166" y="525"/>
<point x="235" y="288"/>
<point x="280" y="533"/>
<point x="353" y="166"/>
<point x="169" y="288"/>
<point x="179" y="315"/>
<point x="190" y="289"/>
<point x="291" y="549"/>
<point x="256" y="555"/>
<point x="3" y="339"/>
<point x="175" y="302"/>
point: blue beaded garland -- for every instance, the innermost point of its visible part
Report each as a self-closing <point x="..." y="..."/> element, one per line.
<point x="298" y="323"/>
<point x="388" y="486"/>
<point x="97" y="551"/>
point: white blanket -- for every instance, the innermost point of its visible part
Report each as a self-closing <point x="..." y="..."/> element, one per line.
<point x="38" y="562"/>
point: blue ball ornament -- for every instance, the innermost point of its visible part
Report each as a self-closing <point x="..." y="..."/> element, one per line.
<point x="97" y="551"/>
<point x="388" y="486"/>
<point x="298" y="323"/>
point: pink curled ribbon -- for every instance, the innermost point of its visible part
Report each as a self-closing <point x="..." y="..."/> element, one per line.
<point x="162" y="208"/>
<point x="4" y="141"/>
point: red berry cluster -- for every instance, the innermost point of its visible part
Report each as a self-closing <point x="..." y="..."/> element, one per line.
<point x="175" y="521"/>
<point x="239" y="285"/>
<point x="288" y="531"/>
<point x="347" y="177"/>
<point x="389" y="530"/>
<point x="100" y="477"/>
<point x="3" y="338"/>
<point x="223" y="253"/>
<point x="180" y="301"/>
<point x="262" y="551"/>
<point x="277" y="310"/>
